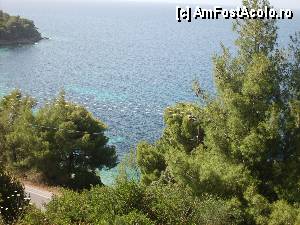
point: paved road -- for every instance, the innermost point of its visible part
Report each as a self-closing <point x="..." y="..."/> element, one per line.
<point x="38" y="197"/>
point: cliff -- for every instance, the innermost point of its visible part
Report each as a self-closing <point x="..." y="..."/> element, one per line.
<point x="16" y="30"/>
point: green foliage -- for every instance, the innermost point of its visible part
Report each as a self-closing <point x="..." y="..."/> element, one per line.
<point x="70" y="208"/>
<point x="258" y="206"/>
<point x="208" y="172"/>
<point x="32" y="216"/>
<point x="130" y="203"/>
<point x="14" y="29"/>
<point x="77" y="145"/>
<point x="133" y="218"/>
<point x="128" y="170"/>
<point x="100" y="205"/>
<point x="233" y="159"/>
<point x="173" y="204"/>
<point x="12" y="198"/>
<point x="183" y="132"/>
<point x="106" y="203"/>
<point x="153" y="162"/>
<point x="243" y="143"/>
<point x="62" y="141"/>
<point x="283" y="214"/>
<point x="183" y="127"/>
<point x="15" y="109"/>
<point x="255" y="35"/>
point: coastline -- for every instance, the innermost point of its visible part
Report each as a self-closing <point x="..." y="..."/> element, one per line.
<point x="25" y="41"/>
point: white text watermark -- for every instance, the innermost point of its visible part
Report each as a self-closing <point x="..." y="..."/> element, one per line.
<point x="189" y="14"/>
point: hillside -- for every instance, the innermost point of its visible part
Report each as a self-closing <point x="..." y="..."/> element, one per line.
<point x="17" y="30"/>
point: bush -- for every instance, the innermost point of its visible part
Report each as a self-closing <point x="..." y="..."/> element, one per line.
<point x="12" y="198"/>
<point x="132" y="203"/>
<point x="106" y="203"/>
<point x="258" y="208"/>
<point x="133" y="218"/>
<point x="1" y="220"/>
<point x="283" y="214"/>
<point x="100" y="205"/>
<point x="173" y="204"/>
<point x="33" y="216"/>
<point x="70" y="208"/>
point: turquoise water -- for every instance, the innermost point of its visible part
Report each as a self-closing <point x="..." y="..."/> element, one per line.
<point x="125" y="62"/>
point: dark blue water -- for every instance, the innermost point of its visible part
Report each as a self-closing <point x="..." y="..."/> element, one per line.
<point x="126" y="62"/>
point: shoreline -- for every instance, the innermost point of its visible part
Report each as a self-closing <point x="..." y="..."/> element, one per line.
<point x="27" y="41"/>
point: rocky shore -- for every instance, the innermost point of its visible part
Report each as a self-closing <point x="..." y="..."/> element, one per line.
<point x="15" y="30"/>
<point x="24" y="41"/>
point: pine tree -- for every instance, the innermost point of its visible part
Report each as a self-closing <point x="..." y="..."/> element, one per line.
<point x="249" y="145"/>
<point x="77" y="144"/>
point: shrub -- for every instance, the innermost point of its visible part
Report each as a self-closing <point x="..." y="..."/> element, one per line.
<point x="70" y="208"/>
<point x="283" y="214"/>
<point x="133" y="218"/>
<point x="173" y="204"/>
<point x="12" y="198"/>
<point x="33" y="216"/>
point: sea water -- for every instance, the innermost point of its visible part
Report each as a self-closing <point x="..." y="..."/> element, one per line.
<point x="125" y="62"/>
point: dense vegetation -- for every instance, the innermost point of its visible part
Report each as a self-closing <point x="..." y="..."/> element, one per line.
<point x="12" y="199"/>
<point x="131" y="203"/>
<point x="241" y="145"/>
<point x="232" y="158"/>
<point x="16" y="30"/>
<point x="61" y="141"/>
